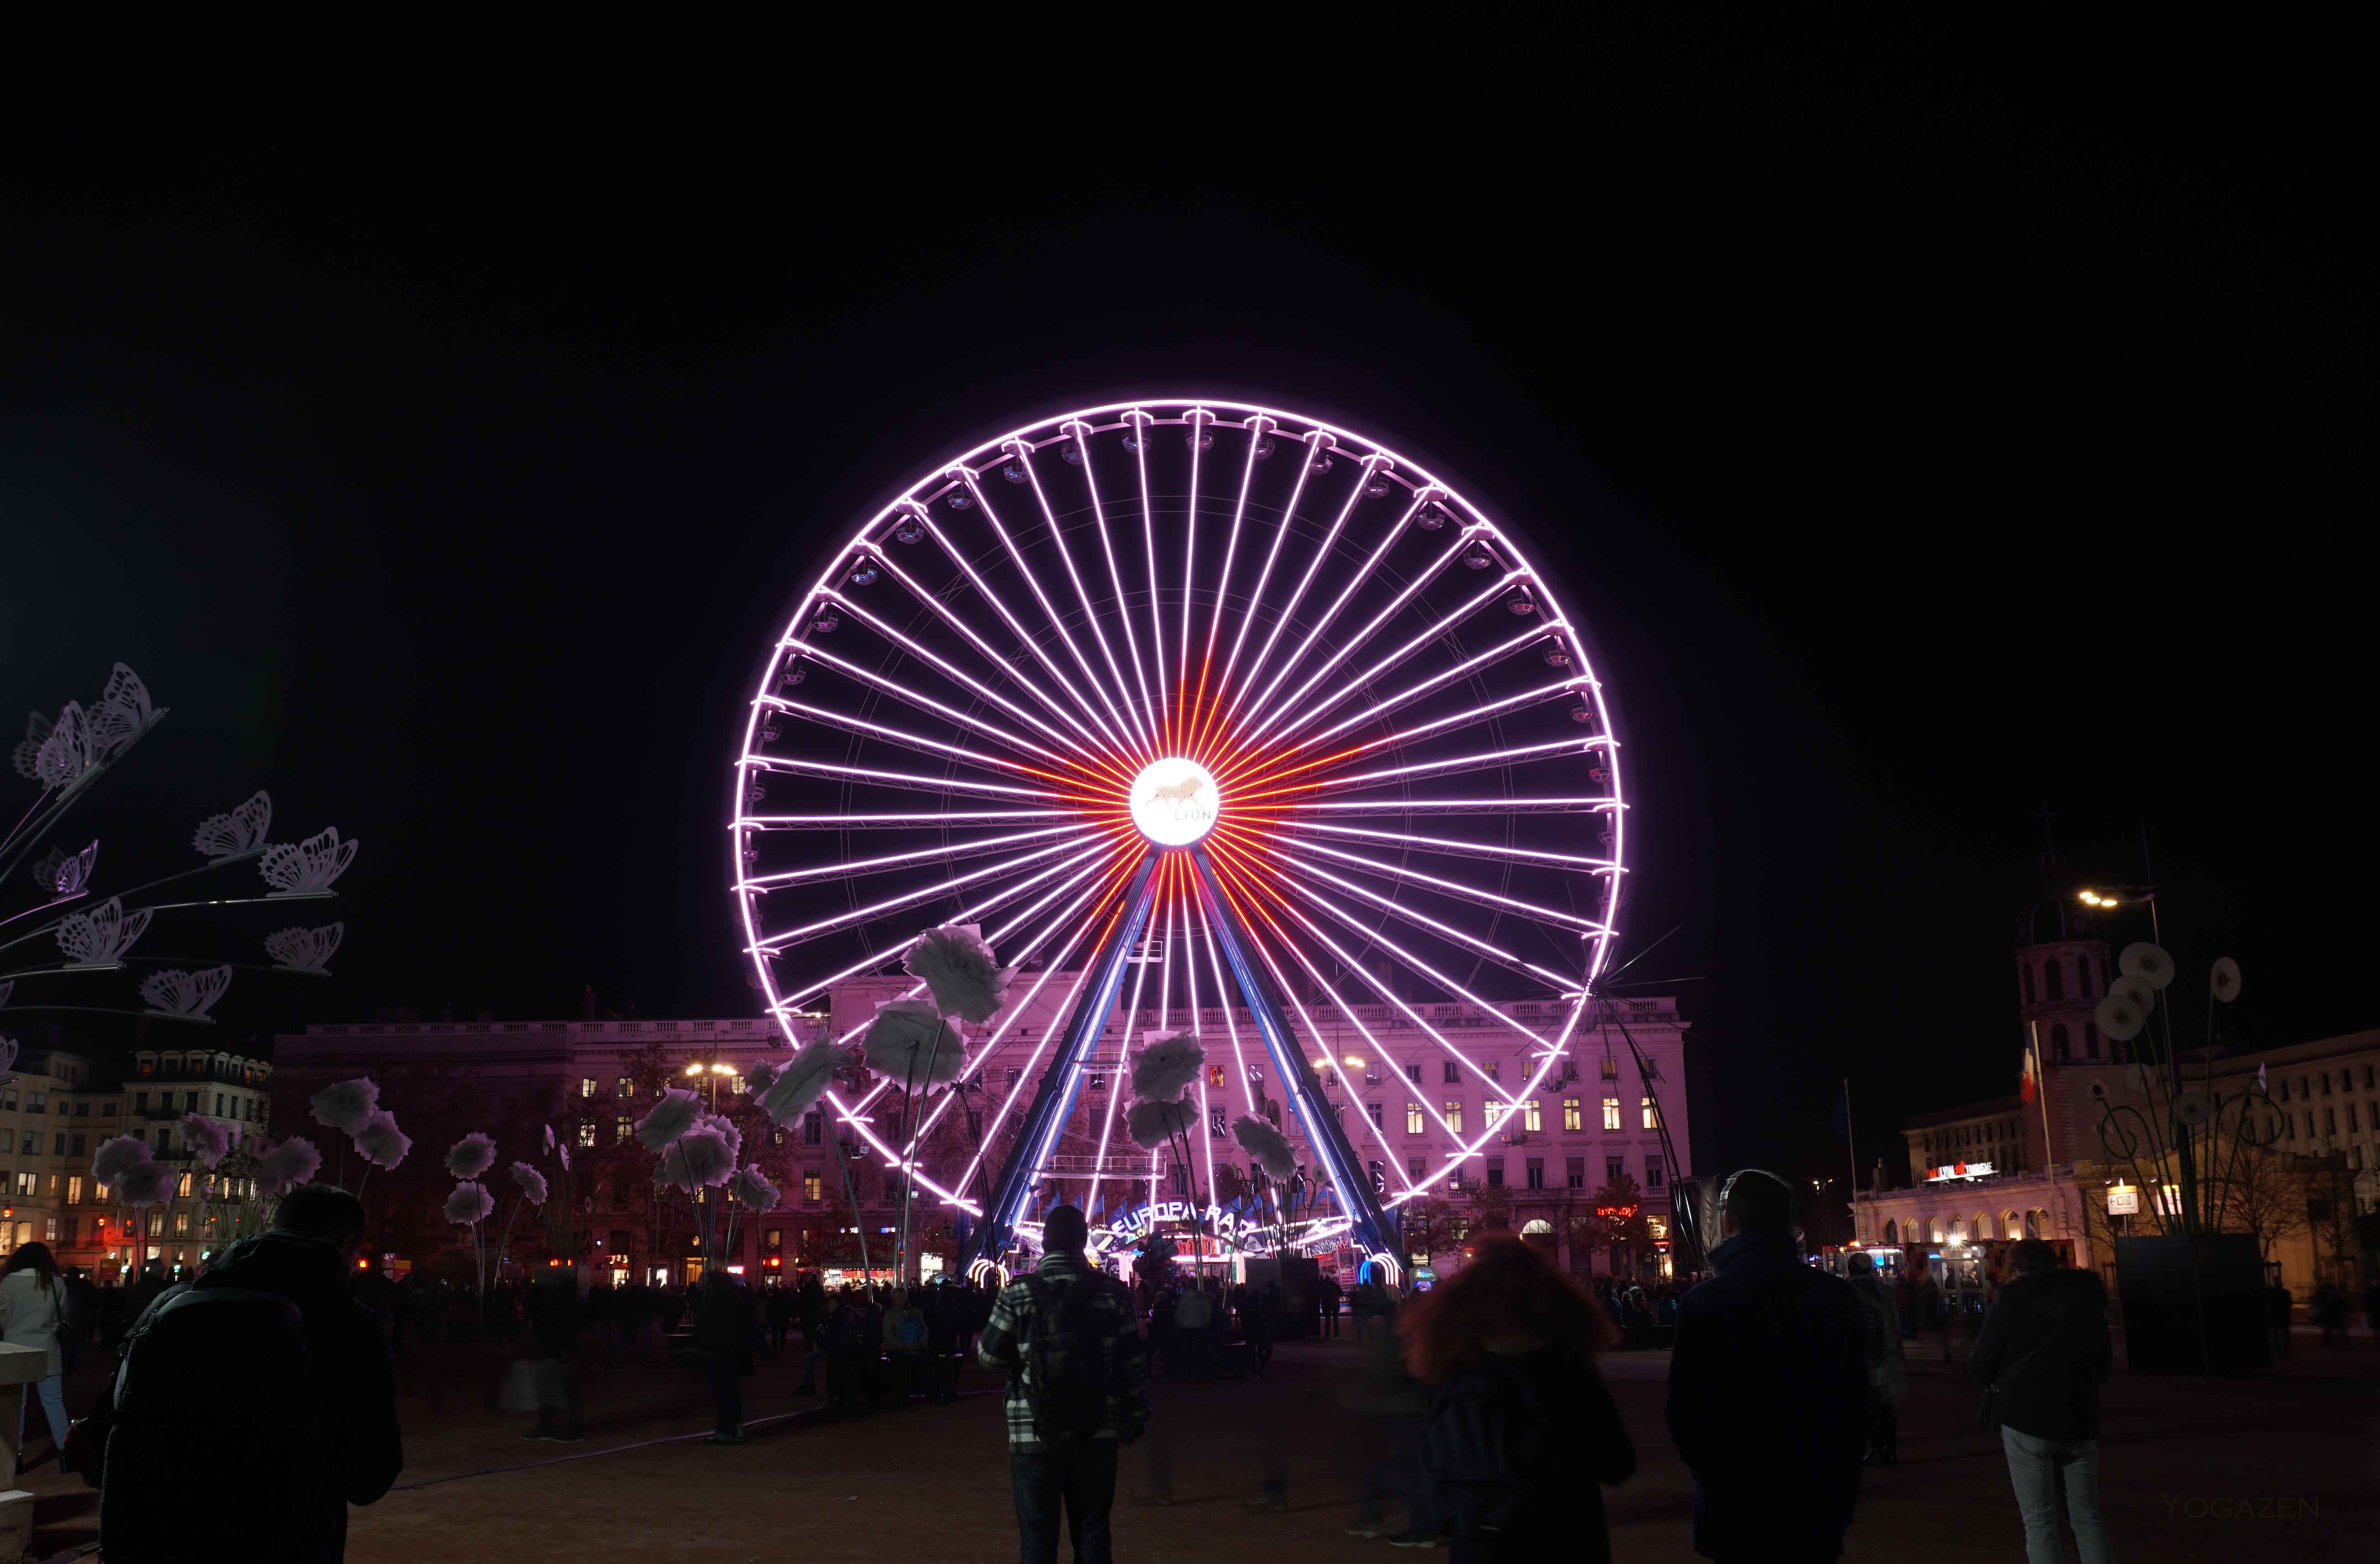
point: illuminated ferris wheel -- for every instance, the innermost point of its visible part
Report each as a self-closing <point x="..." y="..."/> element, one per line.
<point x="1216" y="703"/>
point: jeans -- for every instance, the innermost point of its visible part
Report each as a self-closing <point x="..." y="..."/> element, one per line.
<point x="2034" y="1466"/>
<point x="53" y="1407"/>
<point x="726" y="1393"/>
<point x="1080" y="1478"/>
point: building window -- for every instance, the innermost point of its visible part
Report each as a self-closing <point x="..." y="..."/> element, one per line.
<point x="1614" y="1169"/>
<point x="2053" y="978"/>
<point x="2082" y="978"/>
<point x="2329" y="1119"/>
<point x="1454" y="1075"/>
<point x="58" y="1140"/>
<point x="587" y="1132"/>
<point x="1651" y="1119"/>
<point x="1412" y="1118"/>
<point x="74" y="1190"/>
<point x="622" y="1128"/>
<point x="1454" y="1116"/>
<point x="2026" y="969"/>
<point x="1215" y="1126"/>
<point x="813" y="1128"/>
<point x="1652" y="1172"/>
<point x="1574" y="1171"/>
<point x="623" y="1087"/>
<point x="1611" y="1113"/>
<point x="2326" y="1083"/>
<point x="810" y="1189"/>
<point x="2090" y="1040"/>
<point x="1534" y="1173"/>
<point x="1494" y="1069"/>
<point x="585" y="1086"/>
<point x="1572" y="1117"/>
<point x="1495" y="1172"/>
<point x="1416" y="1166"/>
<point x="1611" y="1070"/>
<point x="1492" y="1113"/>
<point x="50" y="1227"/>
<point x="26" y="1184"/>
<point x="1375" y="1109"/>
<point x="1412" y="1073"/>
<point x="2284" y="1085"/>
<point x="2058" y="1052"/>
<point x="1530" y="1120"/>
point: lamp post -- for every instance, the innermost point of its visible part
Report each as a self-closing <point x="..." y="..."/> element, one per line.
<point x="714" y="1070"/>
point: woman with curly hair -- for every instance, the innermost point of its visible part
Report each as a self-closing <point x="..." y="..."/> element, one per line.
<point x="1517" y="1412"/>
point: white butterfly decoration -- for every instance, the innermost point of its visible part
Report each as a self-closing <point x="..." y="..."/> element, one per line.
<point x="7" y="1051"/>
<point x="62" y="758"/>
<point x="310" y="866"/>
<point x="27" y="754"/>
<point x="98" y="937"/>
<point x="122" y="714"/>
<point x="73" y="873"/>
<point x="238" y="833"/>
<point x="305" y="949"/>
<point x="187" y="994"/>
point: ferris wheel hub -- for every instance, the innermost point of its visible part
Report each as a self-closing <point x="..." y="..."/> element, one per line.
<point x="1174" y="802"/>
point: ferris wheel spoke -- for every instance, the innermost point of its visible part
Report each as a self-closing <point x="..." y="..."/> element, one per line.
<point x="972" y="914"/>
<point x="1460" y="891"/>
<point x="828" y="717"/>
<point x="1313" y="637"/>
<point x="1277" y="787"/>
<point x="1065" y="709"/>
<point x="1199" y="420"/>
<point x="1258" y="426"/>
<point x="1321" y="554"/>
<point x="804" y="765"/>
<point x="1049" y="610"/>
<point x="1444" y="625"/>
<point x="1231" y="1023"/>
<point x="1560" y="982"/>
<point x="1142" y="423"/>
<point x="1227" y="694"/>
<point x="1275" y="782"/>
<point x="1115" y="578"/>
<point x="1313" y="1031"/>
<point x="1438" y="681"/>
<point x="1197" y="1013"/>
<point x="1121" y="692"/>
<point x="958" y="675"/>
<point x="1087" y="775"/>
<point x="883" y="820"/>
<point x="1373" y="627"/>
<point x="1451" y="985"/>
<point x="776" y="943"/>
<point x="953" y="851"/>
<point x="1454" y="847"/>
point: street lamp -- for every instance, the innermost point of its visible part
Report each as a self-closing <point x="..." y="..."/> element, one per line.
<point x="714" y="1070"/>
<point x="2108" y="898"/>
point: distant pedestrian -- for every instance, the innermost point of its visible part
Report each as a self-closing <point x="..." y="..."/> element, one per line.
<point x="2044" y="1351"/>
<point x="1888" y="1372"/>
<point x="2278" y="1307"/>
<point x="1768" y="1394"/>
<point x="904" y="1345"/>
<point x="2330" y="1313"/>
<point x="35" y="1312"/>
<point x="780" y="1318"/>
<point x="1519" y="1429"/>
<point x="1331" y="1294"/>
<point x="1069" y="1340"/>
<point x="1263" y="1326"/>
<point x="722" y="1334"/>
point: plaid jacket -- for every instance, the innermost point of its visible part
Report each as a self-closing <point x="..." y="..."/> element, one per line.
<point x="1011" y="1326"/>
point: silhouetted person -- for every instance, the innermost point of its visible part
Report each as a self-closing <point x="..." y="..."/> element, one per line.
<point x="1077" y="1390"/>
<point x="1769" y="1393"/>
<point x="1520" y="1428"/>
<point x="722" y="1334"/>
<point x="269" y="1358"/>
<point x="1887" y="1372"/>
<point x="2043" y="1350"/>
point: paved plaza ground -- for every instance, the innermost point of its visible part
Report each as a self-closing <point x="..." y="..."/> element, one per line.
<point x="2276" y="1469"/>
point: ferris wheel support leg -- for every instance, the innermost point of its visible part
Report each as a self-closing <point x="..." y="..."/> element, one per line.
<point x="1357" y="1199"/>
<point x="1055" y="1098"/>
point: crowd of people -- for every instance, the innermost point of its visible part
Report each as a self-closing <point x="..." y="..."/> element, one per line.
<point x="1479" y="1415"/>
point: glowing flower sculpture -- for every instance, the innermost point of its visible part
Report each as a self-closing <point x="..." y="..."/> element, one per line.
<point x="118" y="1156"/>
<point x="294" y="1161"/>
<point x="1153" y="1125"/>
<point x="910" y="1042"/>
<point x="471" y="1156"/>
<point x="207" y="1142"/>
<point x="145" y="1185"/>
<point x="1268" y="1145"/>
<point x="344" y="1106"/>
<point x="529" y="1181"/>
<point x="802" y="1081"/>
<point x="668" y="1119"/>
<point x="2120" y="1017"/>
<point x="380" y="1143"/>
<point x="469" y="1203"/>
<point x="751" y="1188"/>
<point x="2223" y="980"/>
<point x="2148" y="962"/>
<point x="960" y="971"/>
<point x="1164" y="1070"/>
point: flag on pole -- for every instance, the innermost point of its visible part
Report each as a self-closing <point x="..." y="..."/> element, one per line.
<point x="2027" y="1085"/>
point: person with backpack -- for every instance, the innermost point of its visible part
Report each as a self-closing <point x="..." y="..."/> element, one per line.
<point x="1077" y="1388"/>
<point x="2044" y="1353"/>
<point x="1519" y="1428"/>
<point x="722" y="1334"/>
<point x="1768" y="1389"/>
<point x="267" y="1354"/>
<point x="35" y="1312"/>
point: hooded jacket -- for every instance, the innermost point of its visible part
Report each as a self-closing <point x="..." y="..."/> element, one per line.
<point x="2045" y="1349"/>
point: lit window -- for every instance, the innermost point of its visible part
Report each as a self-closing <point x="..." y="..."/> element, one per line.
<point x="1611" y="1113"/>
<point x="587" y="1132"/>
<point x="585" y="1086"/>
<point x="1454" y="1116"/>
<point x="623" y="1087"/>
<point x="810" y="1188"/>
<point x="1649" y="1121"/>
<point x="1491" y="1112"/>
<point x="1572" y="1117"/>
<point x="1611" y="1070"/>
<point x="1492" y="1068"/>
<point x="622" y="1128"/>
<point x="1530" y="1119"/>
<point x="1412" y="1118"/>
<point x="74" y="1191"/>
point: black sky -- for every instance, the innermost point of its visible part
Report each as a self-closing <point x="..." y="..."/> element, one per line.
<point x="1929" y="429"/>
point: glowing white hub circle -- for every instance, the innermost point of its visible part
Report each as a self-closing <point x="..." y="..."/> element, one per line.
<point x="1173" y="802"/>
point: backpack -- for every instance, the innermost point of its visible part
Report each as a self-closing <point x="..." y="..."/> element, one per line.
<point x="228" y="1367"/>
<point x="1482" y="1448"/>
<point x="1065" y="1367"/>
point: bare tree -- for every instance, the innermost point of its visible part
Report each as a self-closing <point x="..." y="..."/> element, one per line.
<point x="2265" y="1197"/>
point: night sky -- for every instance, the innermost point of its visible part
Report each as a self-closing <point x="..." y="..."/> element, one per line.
<point x="1928" y="431"/>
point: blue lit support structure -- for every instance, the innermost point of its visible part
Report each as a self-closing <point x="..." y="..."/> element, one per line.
<point x="1055" y="1099"/>
<point x="1357" y="1199"/>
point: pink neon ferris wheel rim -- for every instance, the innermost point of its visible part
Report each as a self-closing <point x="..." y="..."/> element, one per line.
<point x="1044" y="695"/>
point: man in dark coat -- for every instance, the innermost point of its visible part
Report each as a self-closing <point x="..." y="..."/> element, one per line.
<point x="722" y="1334"/>
<point x="1768" y="1389"/>
<point x="352" y="1447"/>
<point x="2043" y="1350"/>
